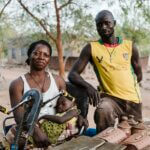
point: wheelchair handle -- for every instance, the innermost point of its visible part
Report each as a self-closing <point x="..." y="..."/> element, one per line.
<point x="3" y="110"/>
<point x="21" y="103"/>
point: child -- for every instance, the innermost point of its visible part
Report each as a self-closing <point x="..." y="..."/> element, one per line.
<point x="62" y="125"/>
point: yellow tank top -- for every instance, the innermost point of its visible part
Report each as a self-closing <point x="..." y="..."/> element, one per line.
<point x="114" y="71"/>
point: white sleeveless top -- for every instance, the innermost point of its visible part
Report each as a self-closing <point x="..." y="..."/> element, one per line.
<point x="49" y="108"/>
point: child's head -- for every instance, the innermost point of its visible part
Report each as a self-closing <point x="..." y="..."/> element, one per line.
<point x="63" y="104"/>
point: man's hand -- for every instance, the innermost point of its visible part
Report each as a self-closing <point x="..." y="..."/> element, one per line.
<point x="40" y="138"/>
<point x="94" y="95"/>
<point x="82" y="122"/>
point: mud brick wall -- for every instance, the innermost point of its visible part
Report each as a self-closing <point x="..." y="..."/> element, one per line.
<point x="54" y="63"/>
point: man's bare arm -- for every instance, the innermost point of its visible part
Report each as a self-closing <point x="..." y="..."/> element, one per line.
<point x="79" y="66"/>
<point x="77" y="69"/>
<point x="136" y="63"/>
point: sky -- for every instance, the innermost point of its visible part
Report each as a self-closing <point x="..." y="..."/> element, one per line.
<point x="94" y="8"/>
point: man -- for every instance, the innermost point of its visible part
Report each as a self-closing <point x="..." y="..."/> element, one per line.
<point x="116" y="64"/>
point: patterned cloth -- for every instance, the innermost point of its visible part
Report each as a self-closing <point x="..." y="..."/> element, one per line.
<point x="59" y="132"/>
<point x="53" y="130"/>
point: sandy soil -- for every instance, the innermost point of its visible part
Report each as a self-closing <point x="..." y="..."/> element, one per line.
<point x="8" y="73"/>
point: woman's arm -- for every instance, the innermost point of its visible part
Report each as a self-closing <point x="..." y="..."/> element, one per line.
<point x="16" y="93"/>
<point x="60" y="82"/>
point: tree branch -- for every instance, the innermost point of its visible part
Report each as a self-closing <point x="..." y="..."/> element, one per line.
<point x="37" y="19"/>
<point x="64" y="5"/>
<point x="1" y="12"/>
<point x="58" y="20"/>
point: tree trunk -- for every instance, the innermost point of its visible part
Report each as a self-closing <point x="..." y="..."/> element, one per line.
<point x="59" y="42"/>
<point x="60" y="59"/>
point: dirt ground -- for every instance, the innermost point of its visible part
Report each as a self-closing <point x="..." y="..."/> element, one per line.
<point x="8" y="73"/>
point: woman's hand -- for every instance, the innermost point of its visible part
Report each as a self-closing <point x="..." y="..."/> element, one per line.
<point x="40" y="138"/>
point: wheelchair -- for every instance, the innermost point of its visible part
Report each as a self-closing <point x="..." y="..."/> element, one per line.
<point x="32" y="103"/>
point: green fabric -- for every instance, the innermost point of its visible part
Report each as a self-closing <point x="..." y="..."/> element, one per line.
<point x="53" y="130"/>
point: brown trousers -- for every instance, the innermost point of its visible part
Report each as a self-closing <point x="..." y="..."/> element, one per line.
<point x="108" y="110"/>
<point x="111" y="108"/>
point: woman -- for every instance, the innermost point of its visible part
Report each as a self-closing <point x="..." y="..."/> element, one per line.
<point x="49" y="85"/>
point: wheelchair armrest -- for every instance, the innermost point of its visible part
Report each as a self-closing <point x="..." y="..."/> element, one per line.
<point x="6" y="128"/>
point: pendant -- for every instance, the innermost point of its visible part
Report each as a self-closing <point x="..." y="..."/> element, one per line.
<point x="110" y="59"/>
